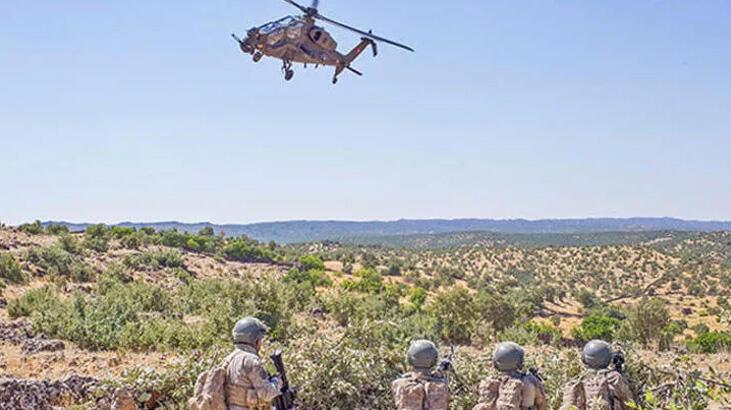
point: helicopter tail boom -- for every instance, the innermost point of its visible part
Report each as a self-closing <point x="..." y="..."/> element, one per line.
<point x="358" y="50"/>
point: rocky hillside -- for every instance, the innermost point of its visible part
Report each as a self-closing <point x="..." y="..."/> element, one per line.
<point x="131" y="316"/>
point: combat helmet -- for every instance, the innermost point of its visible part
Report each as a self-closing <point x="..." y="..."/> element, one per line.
<point x="423" y="354"/>
<point x="508" y="357"/>
<point x="597" y="354"/>
<point x="248" y="331"/>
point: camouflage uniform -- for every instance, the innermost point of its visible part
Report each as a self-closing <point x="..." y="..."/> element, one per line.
<point x="247" y="382"/>
<point x="598" y="389"/>
<point x="512" y="390"/>
<point x="421" y="390"/>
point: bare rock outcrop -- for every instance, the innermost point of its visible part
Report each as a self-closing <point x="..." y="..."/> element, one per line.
<point x="17" y="394"/>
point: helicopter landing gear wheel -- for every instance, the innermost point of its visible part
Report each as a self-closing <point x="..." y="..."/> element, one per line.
<point x="257" y="57"/>
<point x="287" y="69"/>
<point x="335" y="80"/>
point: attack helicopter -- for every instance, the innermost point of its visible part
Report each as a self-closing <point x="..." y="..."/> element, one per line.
<point x="298" y="39"/>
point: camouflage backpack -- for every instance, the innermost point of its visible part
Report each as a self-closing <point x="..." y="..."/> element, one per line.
<point x="415" y="392"/>
<point x="590" y="392"/>
<point x="210" y="389"/>
<point x="501" y="393"/>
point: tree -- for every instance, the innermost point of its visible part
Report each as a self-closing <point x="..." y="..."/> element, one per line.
<point x="454" y="312"/>
<point x="496" y="310"/>
<point x="646" y="321"/>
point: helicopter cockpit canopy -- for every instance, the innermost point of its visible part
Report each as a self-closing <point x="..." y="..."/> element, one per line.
<point x="276" y="25"/>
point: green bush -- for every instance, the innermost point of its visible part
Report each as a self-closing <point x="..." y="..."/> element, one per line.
<point x="10" y="269"/>
<point x="40" y="299"/>
<point x="500" y="312"/>
<point x="71" y="244"/>
<point x="245" y="250"/>
<point x="57" y="229"/>
<point x="546" y="333"/>
<point x="55" y="261"/>
<point x="417" y="297"/>
<point x="454" y="312"/>
<point x="311" y="262"/>
<point x="154" y="260"/>
<point x="597" y="326"/>
<point x="35" y="228"/>
<point x="120" y="232"/>
<point x="96" y="238"/>
<point x="368" y="280"/>
<point x="710" y="342"/>
<point x="316" y="278"/>
<point x="646" y="321"/>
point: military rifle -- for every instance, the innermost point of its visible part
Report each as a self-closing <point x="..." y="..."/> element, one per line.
<point x="536" y="373"/>
<point x="446" y="364"/>
<point x="618" y="361"/>
<point x="287" y="396"/>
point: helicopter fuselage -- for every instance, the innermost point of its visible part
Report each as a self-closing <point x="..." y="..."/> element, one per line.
<point x="296" y="40"/>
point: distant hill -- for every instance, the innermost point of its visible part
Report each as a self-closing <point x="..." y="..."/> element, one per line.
<point x="307" y="231"/>
<point x="522" y="240"/>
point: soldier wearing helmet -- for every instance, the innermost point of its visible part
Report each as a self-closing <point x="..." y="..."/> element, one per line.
<point x="512" y="388"/>
<point x="248" y="385"/>
<point x="422" y="388"/>
<point x="599" y="387"/>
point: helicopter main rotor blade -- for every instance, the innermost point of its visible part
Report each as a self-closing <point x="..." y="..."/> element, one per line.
<point x="299" y="6"/>
<point x="361" y="32"/>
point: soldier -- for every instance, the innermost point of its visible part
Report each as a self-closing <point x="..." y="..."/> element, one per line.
<point x="248" y="385"/>
<point x="599" y="387"/>
<point x="422" y="388"/>
<point x="512" y="389"/>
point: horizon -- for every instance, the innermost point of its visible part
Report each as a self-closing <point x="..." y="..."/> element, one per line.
<point x="243" y="223"/>
<point x="148" y="111"/>
<point x="262" y="222"/>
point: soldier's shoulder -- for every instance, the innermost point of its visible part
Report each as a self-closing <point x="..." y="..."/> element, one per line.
<point x="438" y="378"/>
<point x="532" y="379"/>
<point x="488" y="382"/>
<point x="249" y="360"/>
<point x="616" y="377"/>
<point x="404" y="377"/>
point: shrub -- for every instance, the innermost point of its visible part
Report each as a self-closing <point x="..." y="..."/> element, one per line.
<point x="545" y="332"/>
<point x="70" y="244"/>
<point x="245" y="250"/>
<point x="710" y="342"/>
<point x="155" y="260"/>
<point x="41" y="299"/>
<point x="54" y="260"/>
<point x="57" y="229"/>
<point x="10" y="269"/>
<point x="417" y="297"/>
<point x="120" y="232"/>
<point x="597" y="326"/>
<point x="35" y="228"/>
<point x="369" y="281"/>
<point x="311" y="262"/>
<point x="316" y="278"/>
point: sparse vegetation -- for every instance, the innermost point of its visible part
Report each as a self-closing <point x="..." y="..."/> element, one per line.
<point x="345" y="314"/>
<point x="10" y="269"/>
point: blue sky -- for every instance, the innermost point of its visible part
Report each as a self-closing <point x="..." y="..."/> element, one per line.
<point x="141" y="110"/>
